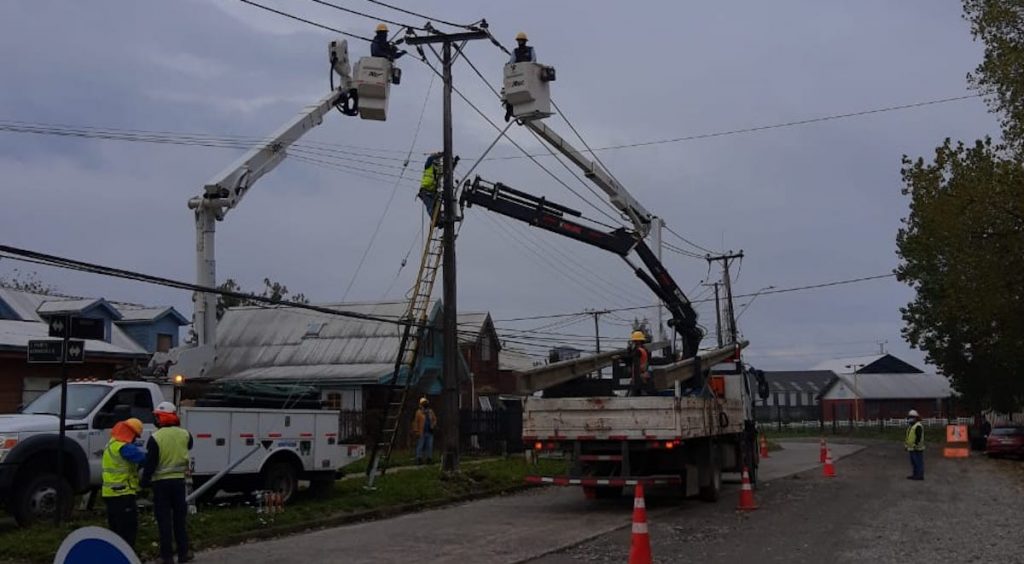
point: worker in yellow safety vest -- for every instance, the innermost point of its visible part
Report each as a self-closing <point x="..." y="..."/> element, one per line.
<point x="433" y="175"/>
<point x="640" y="382"/>
<point x="166" y="464"/>
<point x="915" y="445"/>
<point x="121" y="459"/>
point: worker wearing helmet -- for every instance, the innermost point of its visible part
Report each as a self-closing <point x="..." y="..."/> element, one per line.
<point x="423" y="427"/>
<point x="121" y="459"/>
<point x="640" y="382"/>
<point x="523" y="53"/>
<point x="915" y="445"/>
<point x="381" y="47"/>
<point x="433" y="175"/>
<point x="164" y="471"/>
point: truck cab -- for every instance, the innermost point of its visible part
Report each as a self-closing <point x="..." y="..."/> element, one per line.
<point x="29" y="482"/>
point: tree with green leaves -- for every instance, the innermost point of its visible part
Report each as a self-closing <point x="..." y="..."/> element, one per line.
<point x="274" y="291"/>
<point x="962" y="244"/>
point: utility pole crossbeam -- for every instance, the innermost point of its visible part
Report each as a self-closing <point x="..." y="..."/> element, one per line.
<point x="450" y="404"/>
<point x="730" y="312"/>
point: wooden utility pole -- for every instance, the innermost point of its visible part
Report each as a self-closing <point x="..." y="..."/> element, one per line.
<point x="450" y="404"/>
<point x="727" y="283"/>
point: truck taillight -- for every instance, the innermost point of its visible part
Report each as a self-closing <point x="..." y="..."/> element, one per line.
<point x="670" y="444"/>
<point x="538" y="446"/>
<point x="9" y="443"/>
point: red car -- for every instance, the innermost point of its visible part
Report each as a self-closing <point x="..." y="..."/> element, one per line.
<point x="1006" y="441"/>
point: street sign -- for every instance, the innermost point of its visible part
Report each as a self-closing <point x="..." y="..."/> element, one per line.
<point x="76" y="352"/>
<point x="81" y="328"/>
<point x="45" y="352"/>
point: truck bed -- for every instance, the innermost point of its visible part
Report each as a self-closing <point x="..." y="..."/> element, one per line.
<point x="630" y="418"/>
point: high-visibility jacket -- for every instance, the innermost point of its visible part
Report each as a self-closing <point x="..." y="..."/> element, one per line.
<point x="419" y="423"/>
<point x="120" y="477"/>
<point x="911" y="441"/>
<point x="173" y="445"/>
<point x="431" y="172"/>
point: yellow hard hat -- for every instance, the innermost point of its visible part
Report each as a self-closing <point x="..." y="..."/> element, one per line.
<point x="134" y="424"/>
<point x="638" y="336"/>
<point x="521" y="36"/>
<point x="382" y="27"/>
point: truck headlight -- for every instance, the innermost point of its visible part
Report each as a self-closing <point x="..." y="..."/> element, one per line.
<point x="7" y="442"/>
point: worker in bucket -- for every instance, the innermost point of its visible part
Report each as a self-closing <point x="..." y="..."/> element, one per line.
<point x="121" y="459"/>
<point x="523" y="53"/>
<point x="915" y="445"/>
<point x="640" y="383"/>
<point x="166" y="463"/>
<point x="381" y="47"/>
<point x="423" y="427"/>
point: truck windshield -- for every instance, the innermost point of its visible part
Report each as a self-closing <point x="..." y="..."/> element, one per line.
<point x="82" y="399"/>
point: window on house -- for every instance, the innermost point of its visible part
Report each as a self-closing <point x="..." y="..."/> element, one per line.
<point x="485" y="350"/>
<point x="333" y="400"/>
<point x="313" y="329"/>
<point x="164" y="342"/>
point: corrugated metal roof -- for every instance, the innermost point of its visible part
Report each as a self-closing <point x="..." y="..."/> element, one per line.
<point x="471" y="324"/>
<point x="848" y="365"/>
<point x="24" y="304"/>
<point x="131" y="314"/>
<point x="798" y="380"/>
<point x="16" y="334"/>
<point x="897" y="386"/>
<point x="278" y="344"/>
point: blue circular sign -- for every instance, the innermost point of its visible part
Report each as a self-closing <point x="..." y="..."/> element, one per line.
<point x="95" y="545"/>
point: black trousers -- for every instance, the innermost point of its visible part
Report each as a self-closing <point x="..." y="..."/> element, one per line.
<point x="171" y="510"/>
<point x="123" y="517"/>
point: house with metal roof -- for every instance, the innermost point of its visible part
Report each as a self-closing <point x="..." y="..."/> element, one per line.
<point x="340" y="356"/>
<point x="885" y="396"/>
<point x="481" y="349"/>
<point x="794" y="395"/>
<point x="131" y="334"/>
<point x="871" y="364"/>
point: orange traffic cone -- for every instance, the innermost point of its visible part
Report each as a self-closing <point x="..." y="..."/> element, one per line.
<point x="640" y="548"/>
<point x="764" y="447"/>
<point x="824" y="451"/>
<point x="747" y="502"/>
<point x="830" y="470"/>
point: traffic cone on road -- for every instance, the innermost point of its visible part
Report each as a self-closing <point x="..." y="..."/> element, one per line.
<point x="824" y="451"/>
<point x="830" y="470"/>
<point x="640" y="548"/>
<point x="764" y="447"/>
<point x="747" y="502"/>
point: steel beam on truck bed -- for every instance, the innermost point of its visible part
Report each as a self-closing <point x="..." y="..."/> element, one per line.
<point x="667" y="375"/>
<point x="556" y="373"/>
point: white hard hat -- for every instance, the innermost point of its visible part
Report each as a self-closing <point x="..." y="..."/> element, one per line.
<point x="166" y="407"/>
<point x="912" y="413"/>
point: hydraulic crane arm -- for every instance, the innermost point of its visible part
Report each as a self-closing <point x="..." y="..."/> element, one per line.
<point x="553" y="217"/>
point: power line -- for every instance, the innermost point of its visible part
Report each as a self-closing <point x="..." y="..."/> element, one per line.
<point x="411" y="13"/>
<point x="303" y="20"/>
<point x="687" y="241"/>
<point x="365" y="15"/>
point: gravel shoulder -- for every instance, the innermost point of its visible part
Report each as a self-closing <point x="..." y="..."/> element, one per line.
<point x="966" y="510"/>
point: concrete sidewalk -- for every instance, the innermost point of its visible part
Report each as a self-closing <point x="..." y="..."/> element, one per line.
<point x="504" y="529"/>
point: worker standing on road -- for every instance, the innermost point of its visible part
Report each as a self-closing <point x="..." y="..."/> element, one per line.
<point x="423" y="427"/>
<point x="915" y="445"/>
<point x="640" y="382"/>
<point x="523" y="53"/>
<point x="166" y="464"/>
<point x="381" y="47"/>
<point x="121" y="459"/>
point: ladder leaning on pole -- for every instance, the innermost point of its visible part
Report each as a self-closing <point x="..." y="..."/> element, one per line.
<point x="416" y="317"/>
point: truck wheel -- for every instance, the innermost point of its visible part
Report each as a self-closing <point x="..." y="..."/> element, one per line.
<point x="280" y="476"/>
<point x="37" y="501"/>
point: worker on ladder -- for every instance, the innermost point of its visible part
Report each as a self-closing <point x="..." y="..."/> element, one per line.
<point x="640" y="381"/>
<point x="523" y="53"/>
<point x="433" y="174"/>
<point x="381" y="47"/>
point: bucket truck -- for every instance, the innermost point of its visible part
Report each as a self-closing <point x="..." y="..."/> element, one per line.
<point x="700" y="423"/>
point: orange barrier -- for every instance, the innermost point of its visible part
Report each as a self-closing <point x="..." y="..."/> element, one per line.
<point x="747" y="502"/>
<point x="640" y="547"/>
<point x="957" y="445"/>
<point x="764" y="447"/>
<point x="829" y="471"/>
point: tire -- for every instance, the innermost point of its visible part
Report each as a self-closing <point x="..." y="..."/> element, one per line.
<point x="37" y="500"/>
<point x="280" y="476"/>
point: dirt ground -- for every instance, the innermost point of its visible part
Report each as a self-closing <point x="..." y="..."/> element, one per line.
<point x="967" y="510"/>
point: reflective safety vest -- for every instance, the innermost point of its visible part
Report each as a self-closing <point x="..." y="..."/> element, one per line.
<point x="429" y="181"/>
<point x="912" y="435"/>
<point x="120" y="477"/>
<point x="173" y="445"/>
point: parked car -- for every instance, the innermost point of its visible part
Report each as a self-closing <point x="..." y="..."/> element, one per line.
<point x="1006" y="441"/>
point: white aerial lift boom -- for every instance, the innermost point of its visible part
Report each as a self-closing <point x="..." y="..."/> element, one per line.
<point x="365" y="95"/>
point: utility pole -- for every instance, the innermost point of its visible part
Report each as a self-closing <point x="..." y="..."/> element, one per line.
<point x="727" y="283"/>
<point x="597" y="337"/>
<point x="450" y="374"/>
<point x="718" y="315"/>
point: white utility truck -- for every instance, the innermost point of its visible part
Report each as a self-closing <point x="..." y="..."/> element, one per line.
<point x="294" y="444"/>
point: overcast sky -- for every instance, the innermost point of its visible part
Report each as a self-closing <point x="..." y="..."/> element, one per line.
<point x="807" y="204"/>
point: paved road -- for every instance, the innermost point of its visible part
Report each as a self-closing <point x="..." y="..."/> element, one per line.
<point x="964" y="511"/>
<point x="515" y="528"/>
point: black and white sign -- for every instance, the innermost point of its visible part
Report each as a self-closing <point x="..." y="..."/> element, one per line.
<point x="76" y="352"/>
<point x="80" y="327"/>
<point x="45" y="352"/>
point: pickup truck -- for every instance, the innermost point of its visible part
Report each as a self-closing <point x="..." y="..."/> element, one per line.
<point x="296" y="445"/>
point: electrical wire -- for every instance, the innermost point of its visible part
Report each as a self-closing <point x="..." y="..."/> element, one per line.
<point x="365" y="15"/>
<point x="687" y="241"/>
<point x="411" y="13"/>
<point x="303" y="20"/>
